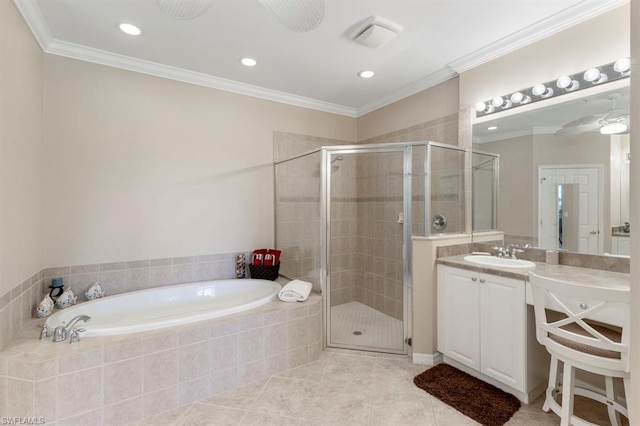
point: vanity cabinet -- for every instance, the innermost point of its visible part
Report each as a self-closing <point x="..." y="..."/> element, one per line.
<point x="482" y="324"/>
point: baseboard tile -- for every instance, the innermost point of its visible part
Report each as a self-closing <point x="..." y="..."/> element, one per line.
<point x="427" y="359"/>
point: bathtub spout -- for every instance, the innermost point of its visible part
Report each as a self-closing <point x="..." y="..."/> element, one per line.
<point x="61" y="333"/>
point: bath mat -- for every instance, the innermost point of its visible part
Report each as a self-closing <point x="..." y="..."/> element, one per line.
<point x="474" y="398"/>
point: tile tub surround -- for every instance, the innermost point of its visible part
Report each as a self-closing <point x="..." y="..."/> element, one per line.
<point x="17" y="306"/>
<point x="122" y="277"/>
<point x="123" y="379"/>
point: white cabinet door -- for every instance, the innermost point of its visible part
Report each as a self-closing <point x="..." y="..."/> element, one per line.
<point x="459" y="315"/>
<point x="482" y="323"/>
<point x="503" y="331"/>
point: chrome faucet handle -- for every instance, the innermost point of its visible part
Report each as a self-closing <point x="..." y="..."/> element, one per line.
<point x="59" y="334"/>
<point x="514" y="252"/>
<point x="44" y="333"/>
<point x="75" y="335"/>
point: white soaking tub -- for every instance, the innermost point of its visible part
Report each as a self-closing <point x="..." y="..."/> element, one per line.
<point x="169" y="306"/>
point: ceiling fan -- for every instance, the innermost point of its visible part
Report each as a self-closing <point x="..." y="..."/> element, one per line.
<point x="614" y="121"/>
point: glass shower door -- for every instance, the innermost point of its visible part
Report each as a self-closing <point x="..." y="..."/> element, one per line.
<point x="366" y="207"/>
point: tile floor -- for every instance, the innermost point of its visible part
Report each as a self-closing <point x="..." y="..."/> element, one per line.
<point x="377" y="330"/>
<point x="341" y="389"/>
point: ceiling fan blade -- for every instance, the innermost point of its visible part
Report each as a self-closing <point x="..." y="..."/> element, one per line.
<point x="586" y="120"/>
<point x="568" y="131"/>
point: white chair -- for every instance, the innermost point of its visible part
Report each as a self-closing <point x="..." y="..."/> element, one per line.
<point x="586" y="328"/>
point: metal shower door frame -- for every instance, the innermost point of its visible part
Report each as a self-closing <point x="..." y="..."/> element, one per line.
<point x="325" y="233"/>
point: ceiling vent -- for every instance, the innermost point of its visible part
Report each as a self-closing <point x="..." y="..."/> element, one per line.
<point x="375" y="31"/>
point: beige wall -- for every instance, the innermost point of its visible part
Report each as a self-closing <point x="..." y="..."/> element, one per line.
<point x="141" y="167"/>
<point x="598" y="41"/>
<point x="433" y="103"/>
<point x="516" y="208"/>
<point x="635" y="209"/>
<point x="20" y="150"/>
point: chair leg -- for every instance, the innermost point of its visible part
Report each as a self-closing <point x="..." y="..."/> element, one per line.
<point x="568" y="376"/>
<point x="614" y="416"/>
<point x="553" y="378"/>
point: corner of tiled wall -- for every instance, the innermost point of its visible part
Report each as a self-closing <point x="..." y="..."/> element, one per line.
<point x="18" y="305"/>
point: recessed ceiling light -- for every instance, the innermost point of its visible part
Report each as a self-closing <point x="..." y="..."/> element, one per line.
<point x="366" y="74"/>
<point x="130" y="29"/>
<point x="492" y="127"/>
<point x="613" y="128"/>
<point x="248" y="62"/>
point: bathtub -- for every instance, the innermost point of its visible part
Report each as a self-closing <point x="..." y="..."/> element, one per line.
<point x="169" y="306"/>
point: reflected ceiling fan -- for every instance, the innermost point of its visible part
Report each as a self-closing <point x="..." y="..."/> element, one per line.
<point x="614" y="121"/>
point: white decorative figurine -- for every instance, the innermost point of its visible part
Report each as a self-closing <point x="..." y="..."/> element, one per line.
<point x="66" y="299"/>
<point x="45" y="307"/>
<point x="94" y="292"/>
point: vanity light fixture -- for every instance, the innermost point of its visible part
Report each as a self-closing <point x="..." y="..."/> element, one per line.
<point x="613" y="128"/>
<point x="366" y="74"/>
<point x="130" y="29"/>
<point x="248" y="62"/>
<point x="567" y="83"/>
<point x="564" y="84"/>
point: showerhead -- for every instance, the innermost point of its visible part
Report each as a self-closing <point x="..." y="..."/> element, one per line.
<point x="338" y="158"/>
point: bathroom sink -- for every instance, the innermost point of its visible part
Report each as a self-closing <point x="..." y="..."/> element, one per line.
<point x="500" y="262"/>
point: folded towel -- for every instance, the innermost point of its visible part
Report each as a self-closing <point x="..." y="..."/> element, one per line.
<point x="295" y="291"/>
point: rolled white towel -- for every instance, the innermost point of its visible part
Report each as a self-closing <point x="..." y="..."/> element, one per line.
<point x="295" y="291"/>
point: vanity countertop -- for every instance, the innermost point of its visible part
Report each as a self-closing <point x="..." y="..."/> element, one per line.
<point x="573" y="274"/>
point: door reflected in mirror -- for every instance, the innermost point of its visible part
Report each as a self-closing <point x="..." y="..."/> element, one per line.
<point x="551" y="152"/>
<point x="568" y="216"/>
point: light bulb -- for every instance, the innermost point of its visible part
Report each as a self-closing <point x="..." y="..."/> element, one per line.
<point x="613" y="128"/>
<point x="594" y="76"/>
<point x="542" y="91"/>
<point x="497" y="101"/>
<point x="520" y="98"/>
<point x="622" y="65"/>
<point x="481" y="106"/>
<point x="565" y="82"/>
<point x="130" y="29"/>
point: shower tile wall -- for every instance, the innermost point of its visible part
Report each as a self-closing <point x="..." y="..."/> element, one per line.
<point x="443" y="130"/>
<point x="447" y="188"/>
<point x="343" y="214"/>
<point x="298" y="204"/>
<point x="378" y="250"/>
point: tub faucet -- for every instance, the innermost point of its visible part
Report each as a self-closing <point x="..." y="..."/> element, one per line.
<point x="61" y="333"/>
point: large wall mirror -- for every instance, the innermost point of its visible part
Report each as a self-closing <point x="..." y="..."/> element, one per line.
<point x="550" y="178"/>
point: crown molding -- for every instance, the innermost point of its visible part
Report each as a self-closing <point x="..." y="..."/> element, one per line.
<point x="431" y="80"/>
<point x="89" y="54"/>
<point x="35" y="21"/>
<point x="546" y="130"/>
<point x="565" y="19"/>
<point x="554" y="24"/>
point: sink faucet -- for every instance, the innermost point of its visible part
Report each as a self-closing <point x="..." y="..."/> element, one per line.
<point x="508" y="252"/>
<point x="61" y="333"/>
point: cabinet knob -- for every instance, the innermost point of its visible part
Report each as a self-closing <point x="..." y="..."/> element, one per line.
<point x="583" y="306"/>
<point x="482" y="280"/>
<point x="474" y="279"/>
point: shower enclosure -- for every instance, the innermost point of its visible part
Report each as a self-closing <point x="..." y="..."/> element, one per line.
<point x="344" y="220"/>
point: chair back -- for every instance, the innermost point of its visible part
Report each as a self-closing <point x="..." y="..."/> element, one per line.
<point x="587" y="314"/>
